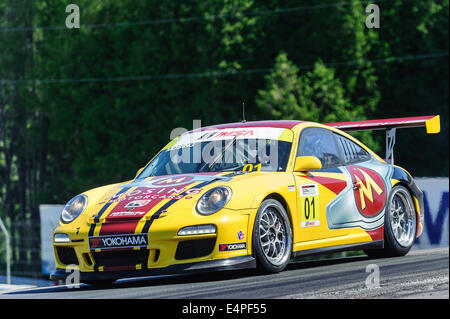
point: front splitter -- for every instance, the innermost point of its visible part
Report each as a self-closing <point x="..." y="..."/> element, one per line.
<point x="234" y="263"/>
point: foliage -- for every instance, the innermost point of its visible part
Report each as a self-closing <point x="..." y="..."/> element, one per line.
<point x="86" y="107"/>
<point x="316" y="96"/>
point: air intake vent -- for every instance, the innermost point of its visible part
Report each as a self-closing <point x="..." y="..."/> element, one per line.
<point x="121" y="257"/>
<point x="195" y="248"/>
<point x="67" y="255"/>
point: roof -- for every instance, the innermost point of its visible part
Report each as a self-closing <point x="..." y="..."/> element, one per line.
<point x="287" y="124"/>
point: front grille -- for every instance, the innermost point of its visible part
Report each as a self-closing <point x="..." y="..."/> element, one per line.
<point x="121" y="257"/>
<point x="195" y="248"/>
<point x="67" y="255"/>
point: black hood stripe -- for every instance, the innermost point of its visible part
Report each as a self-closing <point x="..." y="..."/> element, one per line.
<point x="101" y="212"/>
<point x="156" y="215"/>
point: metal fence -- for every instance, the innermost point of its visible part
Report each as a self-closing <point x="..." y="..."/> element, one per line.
<point x="23" y="246"/>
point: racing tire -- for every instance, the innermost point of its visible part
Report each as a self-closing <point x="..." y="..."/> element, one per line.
<point x="400" y="223"/>
<point x="272" y="237"/>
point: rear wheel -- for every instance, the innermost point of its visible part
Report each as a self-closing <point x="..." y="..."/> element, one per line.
<point x="400" y="224"/>
<point x="272" y="237"/>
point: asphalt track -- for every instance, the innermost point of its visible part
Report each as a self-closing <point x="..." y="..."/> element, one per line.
<point x="420" y="274"/>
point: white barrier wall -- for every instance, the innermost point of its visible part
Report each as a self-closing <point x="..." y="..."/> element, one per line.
<point x="436" y="232"/>
<point x="49" y="221"/>
<point x="436" y="223"/>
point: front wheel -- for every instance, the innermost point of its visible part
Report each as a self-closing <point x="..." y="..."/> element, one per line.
<point x="272" y="237"/>
<point x="400" y="225"/>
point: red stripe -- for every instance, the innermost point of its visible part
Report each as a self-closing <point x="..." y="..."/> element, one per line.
<point x="334" y="185"/>
<point x="376" y="234"/>
<point x="118" y="228"/>
<point x="127" y="225"/>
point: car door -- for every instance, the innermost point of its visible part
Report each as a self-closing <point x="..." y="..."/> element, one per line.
<point x="316" y="190"/>
<point x="364" y="202"/>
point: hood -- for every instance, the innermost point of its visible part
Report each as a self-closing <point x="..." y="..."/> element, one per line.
<point x="135" y="199"/>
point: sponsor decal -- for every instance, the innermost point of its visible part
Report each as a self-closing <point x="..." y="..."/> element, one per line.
<point x="171" y="184"/>
<point x="436" y="213"/>
<point x="191" y="138"/>
<point x="232" y="247"/>
<point x="309" y="205"/>
<point x="141" y="199"/>
<point x="291" y="188"/>
<point x="331" y="181"/>
<point x="369" y="190"/>
<point x="144" y="190"/>
<point x="309" y="190"/>
<point x="193" y="191"/>
<point x="226" y="133"/>
<point x="118" y="241"/>
<point x="137" y="203"/>
<point x="310" y="223"/>
<point x="126" y="214"/>
<point x="241" y="235"/>
<point x="173" y="180"/>
<point x="144" y="195"/>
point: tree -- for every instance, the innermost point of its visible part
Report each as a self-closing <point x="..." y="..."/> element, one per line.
<point x="417" y="82"/>
<point x="315" y="95"/>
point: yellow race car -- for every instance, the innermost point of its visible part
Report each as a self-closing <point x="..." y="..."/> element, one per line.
<point x="250" y="194"/>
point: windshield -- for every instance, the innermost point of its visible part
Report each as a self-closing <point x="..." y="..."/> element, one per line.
<point x="222" y="153"/>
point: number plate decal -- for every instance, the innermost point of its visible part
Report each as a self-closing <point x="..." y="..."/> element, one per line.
<point x="309" y="205"/>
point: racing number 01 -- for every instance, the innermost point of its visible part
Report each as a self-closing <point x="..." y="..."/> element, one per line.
<point x="250" y="167"/>
<point x="309" y="204"/>
<point x="309" y="207"/>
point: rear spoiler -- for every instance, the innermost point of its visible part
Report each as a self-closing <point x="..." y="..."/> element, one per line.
<point x="431" y="123"/>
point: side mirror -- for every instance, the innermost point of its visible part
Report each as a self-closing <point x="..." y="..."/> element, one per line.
<point x="138" y="172"/>
<point x="307" y="163"/>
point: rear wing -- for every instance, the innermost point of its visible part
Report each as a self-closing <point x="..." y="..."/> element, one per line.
<point x="431" y="123"/>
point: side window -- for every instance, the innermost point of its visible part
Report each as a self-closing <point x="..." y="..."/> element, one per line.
<point x="320" y="143"/>
<point x="351" y="151"/>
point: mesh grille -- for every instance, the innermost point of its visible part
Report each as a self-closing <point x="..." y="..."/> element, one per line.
<point x="195" y="248"/>
<point x="67" y="255"/>
<point x="120" y="257"/>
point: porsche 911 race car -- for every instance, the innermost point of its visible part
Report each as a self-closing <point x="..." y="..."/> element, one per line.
<point x="240" y="195"/>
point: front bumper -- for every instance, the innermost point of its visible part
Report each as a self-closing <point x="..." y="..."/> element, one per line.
<point x="164" y="251"/>
<point x="233" y="263"/>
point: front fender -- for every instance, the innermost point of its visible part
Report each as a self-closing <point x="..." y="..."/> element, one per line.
<point x="249" y="193"/>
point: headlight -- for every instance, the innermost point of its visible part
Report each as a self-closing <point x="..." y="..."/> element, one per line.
<point x="74" y="208"/>
<point x="213" y="200"/>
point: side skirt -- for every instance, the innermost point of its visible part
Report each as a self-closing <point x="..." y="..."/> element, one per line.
<point x="376" y="244"/>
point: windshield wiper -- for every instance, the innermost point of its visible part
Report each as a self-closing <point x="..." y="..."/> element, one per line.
<point x="218" y="156"/>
